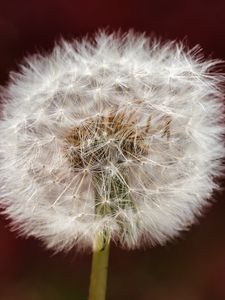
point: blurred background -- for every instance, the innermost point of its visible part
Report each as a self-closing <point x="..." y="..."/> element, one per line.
<point x="189" y="268"/>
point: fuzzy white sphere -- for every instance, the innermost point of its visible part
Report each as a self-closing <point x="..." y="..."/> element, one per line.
<point x="123" y="133"/>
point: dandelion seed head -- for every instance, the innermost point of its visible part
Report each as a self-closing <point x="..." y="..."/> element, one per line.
<point x="123" y="133"/>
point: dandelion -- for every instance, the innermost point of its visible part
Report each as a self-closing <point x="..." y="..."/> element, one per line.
<point x="115" y="139"/>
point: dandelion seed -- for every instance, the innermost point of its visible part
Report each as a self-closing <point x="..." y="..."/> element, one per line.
<point x="122" y="136"/>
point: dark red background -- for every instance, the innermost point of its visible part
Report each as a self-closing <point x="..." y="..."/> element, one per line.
<point x="190" y="268"/>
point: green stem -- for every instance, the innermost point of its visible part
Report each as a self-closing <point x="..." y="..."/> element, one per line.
<point x="116" y="188"/>
<point x="99" y="269"/>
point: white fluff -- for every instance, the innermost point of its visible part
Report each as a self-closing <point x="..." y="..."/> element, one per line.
<point x="46" y="197"/>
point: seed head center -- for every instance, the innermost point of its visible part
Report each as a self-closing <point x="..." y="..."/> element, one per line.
<point x="111" y="139"/>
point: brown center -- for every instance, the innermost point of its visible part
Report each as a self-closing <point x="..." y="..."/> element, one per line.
<point x="112" y="138"/>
